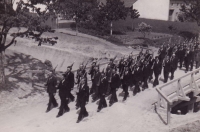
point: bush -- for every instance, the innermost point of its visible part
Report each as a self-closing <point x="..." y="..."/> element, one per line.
<point x="144" y="28"/>
<point x="188" y="35"/>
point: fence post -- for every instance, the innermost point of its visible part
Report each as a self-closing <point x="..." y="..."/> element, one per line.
<point x="168" y="113"/>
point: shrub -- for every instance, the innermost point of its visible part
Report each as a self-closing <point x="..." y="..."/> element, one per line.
<point x="144" y="28"/>
<point x="188" y="35"/>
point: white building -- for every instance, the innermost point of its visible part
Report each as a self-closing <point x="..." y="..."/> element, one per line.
<point x="153" y="9"/>
<point x="159" y="9"/>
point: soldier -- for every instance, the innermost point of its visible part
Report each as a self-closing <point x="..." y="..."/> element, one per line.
<point x="170" y="50"/>
<point x="108" y="77"/>
<point x="102" y="92"/>
<point x="181" y="55"/>
<point x="129" y="60"/>
<point x="125" y="80"/>
<point x="166" y="70"/>
<point x="69" y="76"/>
<point x="115" y="83"/>
<point x="191" y="56"/>
<point x="121" y="65"/>
<point x="64" y="94"/>
<point x="111" y="63"/>
<point x="92" y="72"/>
<point x="173" y="65"/>
<point x="146" y="73"/>
<point x="151" y="61"/>
<point x="132" y="75"/>
<point x="51" y="90"/>
<point x="80" y="73"/>
<point x="78" y="93"/>
<point x="197" y="58"/>
<point x="137" y="78"/>
<point x="146" y="55"/>
<point x="161" y="53"/>
<point x="157" y="68"/>
<point x="97" y="78"/>
<point x="121" y="74"/>
<point x="83" y="94"/>
<point x="187" y="60"/>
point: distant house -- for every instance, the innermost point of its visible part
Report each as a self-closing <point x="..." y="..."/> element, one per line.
<point x="174" y="9"/>
<point x="127" y="3"/>
<point x="159" y="9"/>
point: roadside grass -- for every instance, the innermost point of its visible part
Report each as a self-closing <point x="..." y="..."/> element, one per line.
<point x="123" y="35"/>
<point x="159" y="26"/>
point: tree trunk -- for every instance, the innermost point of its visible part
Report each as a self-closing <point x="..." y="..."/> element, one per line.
<point x="76" y="28"/>
<point x="2" y="72"/>
<point x="111" y="30"/>
<point x="132" y="25"/>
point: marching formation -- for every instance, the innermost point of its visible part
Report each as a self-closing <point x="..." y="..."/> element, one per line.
<point x="130" y="72"/>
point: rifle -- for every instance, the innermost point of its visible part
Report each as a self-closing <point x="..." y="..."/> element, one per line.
<point x="114" y="58"/>
<point x="86" y="65"/>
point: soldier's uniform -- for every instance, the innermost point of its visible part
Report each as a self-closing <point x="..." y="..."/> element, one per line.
<point x="187" y="60"/>
<point x="126" y="81"/>
<point x="151" y="61"/>
<point x="102" y="92"/>
<point x="51" y="90"/>
<point x="181" y="55"/>
<point x="108" y="77"/>
<point x="115" y="83"/>
<point x="83" y="94"/>
<point x="97" y="78"/>
<point x="166" y="69"/>
<point x="191" y="56"/>
<point x="157" y="68"/>
<point x="121" y="66"/>
<point x="197" y="58"/>
<point x="161" y="53"/>
<point x="138" y="77"/>
<point x="173" y="65"/>
<point x="146" y="73"/>
<point x="81" y="72"/>
<point x="64" y="94"/>
<point x="92" y="72"/>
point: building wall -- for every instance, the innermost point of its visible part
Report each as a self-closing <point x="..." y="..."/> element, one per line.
<point x="153" y="9"/>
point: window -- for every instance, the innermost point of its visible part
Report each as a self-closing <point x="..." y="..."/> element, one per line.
<point x="171" y="12"/>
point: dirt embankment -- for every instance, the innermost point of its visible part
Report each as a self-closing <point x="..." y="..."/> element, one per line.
<point x="69" y="49"/>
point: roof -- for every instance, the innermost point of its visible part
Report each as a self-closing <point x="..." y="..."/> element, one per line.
<point x="127" y="3"/>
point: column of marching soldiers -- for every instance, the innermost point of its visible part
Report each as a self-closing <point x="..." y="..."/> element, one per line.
<point x="130" y="71"/>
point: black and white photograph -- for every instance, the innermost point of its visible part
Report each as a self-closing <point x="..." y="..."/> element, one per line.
<point x="100" y="65"/>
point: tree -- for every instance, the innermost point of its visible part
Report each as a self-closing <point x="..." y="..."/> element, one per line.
<point x="74" y="9"/>
<point x="114" y="10"/>
<point x="191" y="10"/>
<point x="133" y="14"/>
<point x="31" y="22"/>
<point x="144" y="28"/>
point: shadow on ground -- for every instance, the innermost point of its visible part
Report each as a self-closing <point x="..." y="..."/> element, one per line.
<point x="17" y="77"/>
